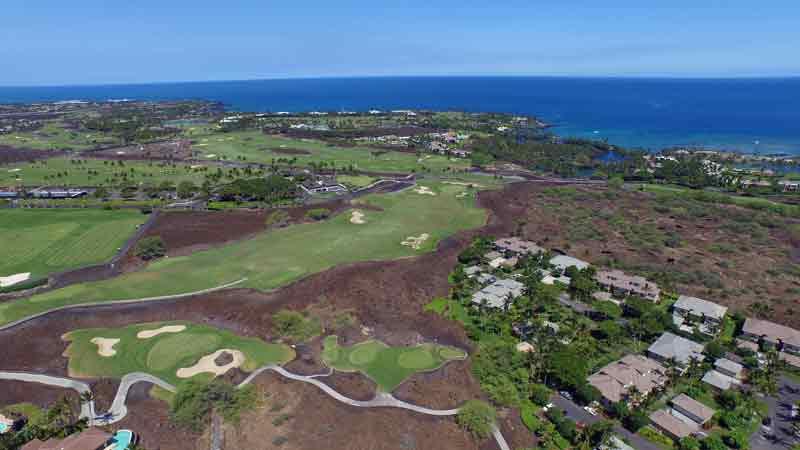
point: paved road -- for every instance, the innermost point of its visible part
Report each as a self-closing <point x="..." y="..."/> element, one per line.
<point x="780" y="408"/>
<point x="578" y="414"/>
<point x="118" y="409"/>
<point x="87" y="409"/>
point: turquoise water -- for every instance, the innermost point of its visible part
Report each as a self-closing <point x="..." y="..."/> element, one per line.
<point x="123" y="439"/>
<point x="755" y="115"/>
<point x="3" y="428"/>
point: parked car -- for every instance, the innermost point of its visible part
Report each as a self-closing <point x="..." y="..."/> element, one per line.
<point x="590" y="410"/>
<point x="548" y="406"/>
<point x="566" y="395"/>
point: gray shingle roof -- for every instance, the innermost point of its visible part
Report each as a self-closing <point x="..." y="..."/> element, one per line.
<point x="700" y="307"/>
<point x="673" y="346"/>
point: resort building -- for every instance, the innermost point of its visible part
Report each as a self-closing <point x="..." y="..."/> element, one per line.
<point x="785" y="339"/>
<point x="497" y="294"/>
<point x="686" y="417"/>
<point x="725" y="374"/>
<point x="514" y="246"/>
<point x="90" y="439"/>
<point x="673" y="347"/>
<point x="620" y="283"/>
<point x="689" y="313"/>
<point x="616" y="380"/>
<point x="563" y="261"/>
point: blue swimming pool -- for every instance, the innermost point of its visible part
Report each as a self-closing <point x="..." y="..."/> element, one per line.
<point x="3" y="428"/>
<point x="121" y="440"/>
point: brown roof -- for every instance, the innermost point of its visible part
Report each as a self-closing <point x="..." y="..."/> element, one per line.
<point x="633" y="283"/>
<point x="792" y="360"/>
<point x="615" y="380"/>
<point x="517" y="245"/>
<point x="671" y="424"/>
<point x="772" y="331"/>
<point x="91" y="439"/>
<point x="690" y="405"/>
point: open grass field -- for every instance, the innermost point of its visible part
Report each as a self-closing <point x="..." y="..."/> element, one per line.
<point x="387" y="366"/>
<point x="96" y="172"/>
<point x="43" y="241"/>
<point x="276" y="258"/>
<point x="163" y="354"/>
<point x="255" y="146"/>
<point x="53" y="136"/>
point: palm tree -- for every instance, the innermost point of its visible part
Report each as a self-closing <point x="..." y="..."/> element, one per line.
<point x="86" y="397"/>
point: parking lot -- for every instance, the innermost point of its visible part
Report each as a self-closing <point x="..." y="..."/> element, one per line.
<point x="780" y="411"/>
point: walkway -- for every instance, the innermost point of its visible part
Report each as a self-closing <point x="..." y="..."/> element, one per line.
<point x="87" y="408"/>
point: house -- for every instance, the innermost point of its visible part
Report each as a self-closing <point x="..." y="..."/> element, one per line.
<point x="9" y="194"/>
<point x="670" y="425"/>
<point x="673" y="347"/>
<point x="90" y="439"/>
<point x="322" y="185"/>
<point x="620" y="283"/>
<point x="616" y="380"/>
<point x="782" y="337"/>
<point x="729" y="368"/>
<point x="485" y="278"/>
<point x="708" y="315"/>
<point x="498" y="293"/>
<point x="691" y="409"/>
<point x="60" y="193"/>
<point x="563" y="261"/>
<point x="719" y="380"/>
<point x="790" y="359"/>
<point x="615" y="443"/>
<point x="517" y="247"/>
<point x="472" y="271"/>
<point x="578" y="307"/>
<point x="492" y="255"/>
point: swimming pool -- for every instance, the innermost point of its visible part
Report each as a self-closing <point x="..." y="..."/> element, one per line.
<point x="121" y="440"/>
<point x="3" y="428"/>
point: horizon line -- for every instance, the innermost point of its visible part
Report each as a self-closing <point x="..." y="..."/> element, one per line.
<point x="354" y="77"/>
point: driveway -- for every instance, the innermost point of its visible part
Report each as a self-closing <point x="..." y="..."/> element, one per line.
<point x="578" y="414"/>
<point x="780" y="409"/>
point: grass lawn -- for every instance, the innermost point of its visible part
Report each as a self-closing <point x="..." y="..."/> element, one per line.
<point x="255" y="146"/>
<point x="657" y="438"/>
<point x="164" y="354"/>
<point x="53" y="136"/>
<point x="387" y="366"/>
<point x="96" y="172"/>
<point x="355" y="181"/>
<point x="43" y="241"/>
<point x="276" y="258"/>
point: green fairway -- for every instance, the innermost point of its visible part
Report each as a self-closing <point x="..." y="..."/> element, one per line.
<point x="97" y="172"/>
<point x="276" y="258"/>
<point x="43" y="241"/>
<point x="53" y="136"/>
<point x="163" y="354"/>
<point x="255" y="146"/>
<point x="387" y="366"/>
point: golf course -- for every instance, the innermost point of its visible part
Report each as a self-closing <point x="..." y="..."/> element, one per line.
<point x="396" y="225"/>
<point x="44" y="241"/>
<point x="172" y="351"/>
<point x="387" y="366"/>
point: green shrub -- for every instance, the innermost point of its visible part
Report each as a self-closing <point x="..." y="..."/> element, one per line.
<point x="527" y="413"/>
<point x="295" y="326"/>
<point x="477" y="417"/>
<point x="151" y="247"/>
<point x="318" y="213"/>
<point x="277" y="218"/>
<point x="540" y="394"/>
<point x="195" y="400"/>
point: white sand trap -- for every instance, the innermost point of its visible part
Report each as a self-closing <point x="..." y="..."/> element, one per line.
<point x="14" y="170"/>
<point x="357" y="217"/>
<point x="213" y="155"/>
<point x="207" y="364"/>
<point x="416" y="242"/>
<point x="461" y="183"/>
<point x="14" y="279"/>
<point x="105" y="346"/>
<point x="147" y="334"/>
<point x="424" y="190"/>
<point x="462" y="194"/>
<point x="200" y="145"/>
<point x="120" y="153"/>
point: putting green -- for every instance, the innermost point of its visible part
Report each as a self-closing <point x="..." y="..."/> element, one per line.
<point x="387" y="366"/>
<point x="164" y="354"/>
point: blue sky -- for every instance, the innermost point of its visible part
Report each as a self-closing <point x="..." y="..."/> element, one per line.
<point x="91" y="42"/>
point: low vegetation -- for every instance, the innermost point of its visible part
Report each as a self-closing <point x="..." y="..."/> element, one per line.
<point x="477" y="417"/>
<point x="150" y="247"/>
<point x="295" y="326"/>
<point x="195" y="401"/>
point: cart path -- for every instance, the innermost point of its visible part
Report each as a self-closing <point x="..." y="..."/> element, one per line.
<point x="119" y="302"/>
<point x="119" y="410"/>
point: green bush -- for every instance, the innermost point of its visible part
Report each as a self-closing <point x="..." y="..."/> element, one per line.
<point x="527" y="413"/>
<point x="151" y="247"/>
<point x="295" y="326"/>
<point x="195" y="400"/>
<point x="540" y="394"/>
<point x="277" y="218"/>
<point x="477" y="417"/>
<point x="318" y="213"/>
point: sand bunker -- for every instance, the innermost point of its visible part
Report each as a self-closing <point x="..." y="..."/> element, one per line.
<point x="14" y="170"/>
<point x="424" y="190"/>
<point x="207" y="364"/>
<point x="416" y="242"/>
<point x="357" y="217"/>
<point x="461" y="183"/>
<point x="105" y="346"/>
<point x="14" y="279"/>
<point x="147" y="334"/>
<point x="213" y="155"/>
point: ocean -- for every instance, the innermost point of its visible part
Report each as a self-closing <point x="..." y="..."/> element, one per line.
<point x="749" y="115"/>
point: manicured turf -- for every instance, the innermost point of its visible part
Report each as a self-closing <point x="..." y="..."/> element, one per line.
<point x="387" y="366"/>
<point x="96" y="172"/>
<point x="53" y="136"/>
<point x="165" y="353"/>
<point x="43" y="241"/>
<point x="255" y="146"/>
<point x="276" y="258"/>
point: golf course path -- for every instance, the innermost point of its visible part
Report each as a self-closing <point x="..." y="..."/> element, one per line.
<point x="87" y="408"/>
<point x="119" y="302"/>
<point x="118" y="409"/>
